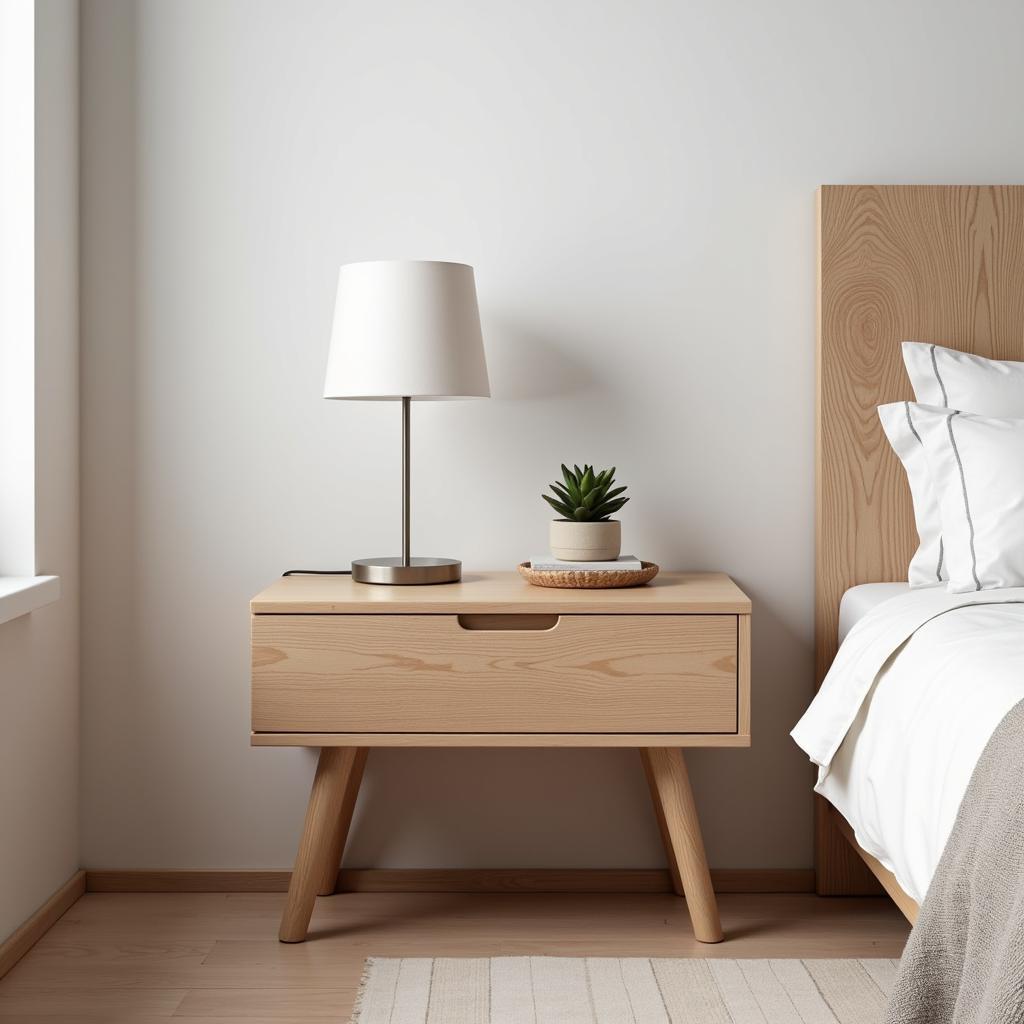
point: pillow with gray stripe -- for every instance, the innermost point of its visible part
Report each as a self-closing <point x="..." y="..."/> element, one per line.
<point x="944" y="378"/>
<point x="927" y="567"/>
<point x="976" y="465"/>
<point x="959" y="380"/>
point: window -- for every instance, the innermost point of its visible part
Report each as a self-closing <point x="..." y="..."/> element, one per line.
<point x="20" y="589"/>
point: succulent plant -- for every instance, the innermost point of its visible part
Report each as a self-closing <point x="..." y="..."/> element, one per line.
<point x="585" y="496"/>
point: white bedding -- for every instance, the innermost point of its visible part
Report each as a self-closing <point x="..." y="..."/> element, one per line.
<point x="916" y="690"/>
<point x="859" y="600"/>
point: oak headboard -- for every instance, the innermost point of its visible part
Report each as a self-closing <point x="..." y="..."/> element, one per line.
<point x="938" y="263"/>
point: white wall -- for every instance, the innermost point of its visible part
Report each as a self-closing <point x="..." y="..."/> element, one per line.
<point x="39" y="693"/>
<point x="634" y="182"/>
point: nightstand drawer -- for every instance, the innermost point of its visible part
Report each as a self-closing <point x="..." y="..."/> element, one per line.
<point x="495" y="673"/>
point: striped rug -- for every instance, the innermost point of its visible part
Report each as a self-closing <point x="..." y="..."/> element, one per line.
<point x="604" y="990"/>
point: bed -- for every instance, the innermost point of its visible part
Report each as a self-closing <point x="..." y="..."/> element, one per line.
<point x="921" y="683"/>
<point x="940" y="264"/>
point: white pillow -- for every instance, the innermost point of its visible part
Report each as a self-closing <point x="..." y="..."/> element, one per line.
<point x="958" y="380"/>
<point x="926" y="567"/>
<point x="977" y="471"/>
<point x="944" y="378"/>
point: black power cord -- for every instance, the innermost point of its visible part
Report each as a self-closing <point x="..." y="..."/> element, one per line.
<point x="317" y="572"/>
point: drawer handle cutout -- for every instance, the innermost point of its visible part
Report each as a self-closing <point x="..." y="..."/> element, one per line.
<point x="485" y="621"/>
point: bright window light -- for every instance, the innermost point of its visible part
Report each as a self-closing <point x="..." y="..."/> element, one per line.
<point x="17" y="287"/>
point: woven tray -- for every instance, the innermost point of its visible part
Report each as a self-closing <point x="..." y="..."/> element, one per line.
<point x="581" y="579"/>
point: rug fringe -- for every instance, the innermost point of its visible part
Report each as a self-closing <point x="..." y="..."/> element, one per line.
<point x="357" y="1006"/>
<point x="690" y="988"/>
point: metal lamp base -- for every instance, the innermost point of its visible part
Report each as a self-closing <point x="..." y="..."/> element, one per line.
<point x="406" y="571"/>
<point x="396" y="572"/>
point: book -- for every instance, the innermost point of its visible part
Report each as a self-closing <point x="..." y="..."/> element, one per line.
<point x="624" y="563"/>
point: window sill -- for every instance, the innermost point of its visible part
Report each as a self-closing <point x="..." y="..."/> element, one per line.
<point x="20" y="595"/>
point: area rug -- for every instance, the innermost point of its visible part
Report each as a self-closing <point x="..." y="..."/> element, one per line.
<point x="605" y="990"/>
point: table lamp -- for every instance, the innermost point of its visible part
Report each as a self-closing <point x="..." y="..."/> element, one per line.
<point x="406" y="330"/>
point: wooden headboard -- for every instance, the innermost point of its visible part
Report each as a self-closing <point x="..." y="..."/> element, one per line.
<point x="938" y="263"/>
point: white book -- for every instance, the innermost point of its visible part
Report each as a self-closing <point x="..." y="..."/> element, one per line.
<point x="623" y="562"/>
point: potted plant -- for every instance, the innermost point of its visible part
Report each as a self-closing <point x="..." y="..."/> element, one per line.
<point x="586" y="501"/>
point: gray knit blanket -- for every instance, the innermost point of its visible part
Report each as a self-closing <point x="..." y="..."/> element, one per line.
<point x="964" y="961"/>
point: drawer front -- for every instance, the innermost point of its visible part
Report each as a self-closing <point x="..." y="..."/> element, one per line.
<point x="449" y="673"/>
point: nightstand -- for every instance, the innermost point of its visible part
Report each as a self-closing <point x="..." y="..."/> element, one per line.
<point x="495" y="662"/>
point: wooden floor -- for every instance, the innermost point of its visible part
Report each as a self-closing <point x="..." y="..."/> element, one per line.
<point x="206" y="957"/>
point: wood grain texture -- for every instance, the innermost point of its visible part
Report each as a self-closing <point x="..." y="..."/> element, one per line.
<point x="425" y="673"/>
<point x="16" y="945"/>
<point x="940" y="264"/>
<point x="148" y="958"/>
<point x="676" y="811"/>
<point x="743" y="672"/>
<point x="672" y="593"/>
<point x="326" y="802"/>
<point x="494" y="660"/>
<point x="493" y="880"/>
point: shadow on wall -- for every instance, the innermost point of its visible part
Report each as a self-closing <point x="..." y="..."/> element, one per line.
<point x="773" y="768"/>
<point x="526" y="364"/>
<point x="111" y="231"/>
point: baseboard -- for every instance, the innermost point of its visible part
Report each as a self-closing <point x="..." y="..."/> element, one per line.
<point x="727" y="880"/>
<point x="187" y="881"/>
<point x="25" y="937"/>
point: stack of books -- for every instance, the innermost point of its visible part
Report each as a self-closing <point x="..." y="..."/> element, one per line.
<point x="548" y="563"/>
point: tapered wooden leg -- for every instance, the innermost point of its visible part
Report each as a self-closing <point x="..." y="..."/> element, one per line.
<point x="680" y="828"/>
<point x="666" y="837"/>
<point x="326" y="800"/>
<point x="341" y="827"/>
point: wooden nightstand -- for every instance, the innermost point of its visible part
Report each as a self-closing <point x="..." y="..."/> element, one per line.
<point x="495" y="662"/>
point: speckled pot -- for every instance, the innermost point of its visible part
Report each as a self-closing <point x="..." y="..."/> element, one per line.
<point x="586" y="542"/>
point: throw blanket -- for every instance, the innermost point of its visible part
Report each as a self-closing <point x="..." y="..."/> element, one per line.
<point x="964" y="963"/>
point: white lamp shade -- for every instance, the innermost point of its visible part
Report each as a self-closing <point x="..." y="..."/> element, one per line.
<point x="406" y="328"/>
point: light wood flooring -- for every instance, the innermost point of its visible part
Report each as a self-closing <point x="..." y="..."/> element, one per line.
<point x="213" y="957"/>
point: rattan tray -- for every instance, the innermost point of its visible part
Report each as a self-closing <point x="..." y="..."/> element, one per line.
<point x="581" y="579"/>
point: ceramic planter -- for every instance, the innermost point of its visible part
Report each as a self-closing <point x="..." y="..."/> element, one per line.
<point x="586" y="542"/>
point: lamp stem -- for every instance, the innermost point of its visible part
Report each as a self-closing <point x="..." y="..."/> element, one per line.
<point x="406" y="403"/>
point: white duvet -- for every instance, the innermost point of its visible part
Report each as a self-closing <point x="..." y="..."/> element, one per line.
<point x="916" y="690"/>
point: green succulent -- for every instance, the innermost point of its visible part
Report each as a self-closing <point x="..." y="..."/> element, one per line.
<point x="585" y="496"/>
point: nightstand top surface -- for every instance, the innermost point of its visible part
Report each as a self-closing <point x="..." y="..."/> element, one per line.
<point x="670" y="593"/>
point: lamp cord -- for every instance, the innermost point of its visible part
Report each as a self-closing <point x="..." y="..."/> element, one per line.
<point x="317" y="572"/>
